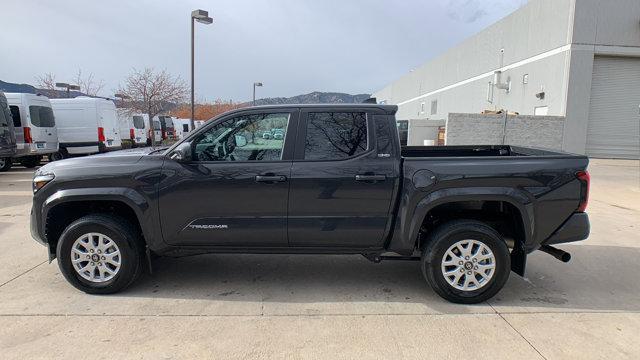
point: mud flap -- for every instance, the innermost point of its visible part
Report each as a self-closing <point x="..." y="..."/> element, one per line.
<point x="518" y="259"/>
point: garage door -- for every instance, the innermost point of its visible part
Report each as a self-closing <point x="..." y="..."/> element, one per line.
<point x="614" y="113"/>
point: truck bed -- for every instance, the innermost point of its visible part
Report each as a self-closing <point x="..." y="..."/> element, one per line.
<point x="473" y="151"/>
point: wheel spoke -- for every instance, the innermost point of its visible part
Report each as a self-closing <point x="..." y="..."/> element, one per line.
<point x="101" y="250"/>
<point x="475" y="258"/>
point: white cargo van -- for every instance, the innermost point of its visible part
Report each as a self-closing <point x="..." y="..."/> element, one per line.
<point x="132" y="127"/>
<point x="167" y="127"/>
<point x="182" y="127"/>
<point x="34" y="126"/>
<point x="157" y="129"/>
<point x="86" y="125"/>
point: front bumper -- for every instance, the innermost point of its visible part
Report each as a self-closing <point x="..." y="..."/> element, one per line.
<point x="34" y="227"/>
<point x="576" y="228"/>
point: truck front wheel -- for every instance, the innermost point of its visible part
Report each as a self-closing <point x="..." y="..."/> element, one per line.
<point x="466" y="261"/>
<point x="100" y="254"/>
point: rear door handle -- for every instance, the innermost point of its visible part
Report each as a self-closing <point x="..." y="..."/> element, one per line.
<point x="270" y="178"/>
<point x="371" y="177"/>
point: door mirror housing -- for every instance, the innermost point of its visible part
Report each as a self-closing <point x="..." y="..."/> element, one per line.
<point x="182" y="153"/>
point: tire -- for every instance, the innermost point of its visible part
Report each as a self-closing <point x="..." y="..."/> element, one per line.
<point x="59" y="155"/>
<point x="119" y="232"/>
<point x="458" y="236"/>
<point x="30" y="161"/>
<point x="5" y="164"/>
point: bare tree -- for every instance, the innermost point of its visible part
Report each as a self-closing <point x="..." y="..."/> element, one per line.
<point x="47" y="82"/>
<point x="150" y="92"/>
<point x="88" y="85"/>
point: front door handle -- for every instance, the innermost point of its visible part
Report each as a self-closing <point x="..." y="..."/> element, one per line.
<point x="371" y="178"/>
<point x="270" y="178"/>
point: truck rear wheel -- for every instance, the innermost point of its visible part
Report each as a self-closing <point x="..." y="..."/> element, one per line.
<point x="466" y="261"/>
<point x="100" y="254"/>
<point x="5" y="163"/>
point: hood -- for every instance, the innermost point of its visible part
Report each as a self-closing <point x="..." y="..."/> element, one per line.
<point x="114" y="158"/>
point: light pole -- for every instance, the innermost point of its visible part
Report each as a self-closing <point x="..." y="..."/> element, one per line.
<point x="254" y="91"/>
<point x="68" y="87"/>
<point x="122" y="98"/>
<point x="200" y="16"/>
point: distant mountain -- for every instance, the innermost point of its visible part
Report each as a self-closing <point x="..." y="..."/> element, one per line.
<point x="315" y="97"/>
<point x="30" y="89"/>
<point x="18" y="88"/>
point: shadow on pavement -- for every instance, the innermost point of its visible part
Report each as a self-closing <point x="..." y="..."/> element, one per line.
<point x="599" y="278"/>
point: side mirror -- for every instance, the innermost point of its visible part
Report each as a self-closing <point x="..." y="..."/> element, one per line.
<point x="241" y="140"/>
<point x="182" y="153"/>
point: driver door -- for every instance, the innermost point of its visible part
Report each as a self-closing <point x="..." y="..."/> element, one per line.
<point x="234" y="191"/>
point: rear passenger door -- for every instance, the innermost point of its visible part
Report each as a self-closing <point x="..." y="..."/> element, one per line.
<point x="341" y="187"/>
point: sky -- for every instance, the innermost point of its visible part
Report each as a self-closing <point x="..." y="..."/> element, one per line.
<point x="292" y="46"/>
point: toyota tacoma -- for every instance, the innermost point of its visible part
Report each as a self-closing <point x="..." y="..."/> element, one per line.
<point x="336" y="182"/>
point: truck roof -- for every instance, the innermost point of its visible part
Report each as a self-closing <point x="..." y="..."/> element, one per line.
<point x="389" y="109"/>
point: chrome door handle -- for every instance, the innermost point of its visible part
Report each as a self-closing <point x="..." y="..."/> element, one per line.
<point x="371" y="178"/>
<point x="270" y="178"/>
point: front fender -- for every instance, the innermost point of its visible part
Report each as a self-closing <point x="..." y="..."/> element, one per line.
<point x="133" y="199"/>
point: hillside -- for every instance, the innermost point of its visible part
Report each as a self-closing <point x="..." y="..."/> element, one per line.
<point x="315" y="97"/>
<point x="30" y="89"/>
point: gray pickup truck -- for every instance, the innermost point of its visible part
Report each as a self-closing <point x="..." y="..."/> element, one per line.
<point x="337" y="182"/>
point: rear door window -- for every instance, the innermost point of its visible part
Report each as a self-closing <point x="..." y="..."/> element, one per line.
<point x="41" y="116"/>
<point x="15" y="114"/>
<point x="138" y="122"/>
<point x="335" y="135"/>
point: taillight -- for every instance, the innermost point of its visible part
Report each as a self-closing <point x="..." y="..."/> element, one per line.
<point x="164" y="135"/>
<point x="585" y="179"/>
<point x="27" y="135"/>
<point x="101" y="137"/>
<point x="132" y="134"/>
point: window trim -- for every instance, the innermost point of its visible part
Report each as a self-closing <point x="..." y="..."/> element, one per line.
<point x="285" y="156"/>
<point x="302" y="134"/>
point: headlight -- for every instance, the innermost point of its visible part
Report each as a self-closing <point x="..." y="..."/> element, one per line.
<point x="40" y="181"/>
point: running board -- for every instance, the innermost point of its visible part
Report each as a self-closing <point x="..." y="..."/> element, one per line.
<point x="376" y="258"/>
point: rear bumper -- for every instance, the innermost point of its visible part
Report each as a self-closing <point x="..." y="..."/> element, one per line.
<point x="576" y="228"/>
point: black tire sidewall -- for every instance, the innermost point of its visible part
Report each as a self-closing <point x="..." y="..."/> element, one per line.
<point x="435" y="250"/>
<point x="7" y="164"/>
<point x="130" y="254"/>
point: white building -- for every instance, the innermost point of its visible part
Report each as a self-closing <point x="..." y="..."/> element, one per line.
<point x="574" y="58"/>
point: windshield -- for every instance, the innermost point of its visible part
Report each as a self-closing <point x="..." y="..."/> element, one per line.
<point x="41" y="116"/>
<point x="138" y="122"/>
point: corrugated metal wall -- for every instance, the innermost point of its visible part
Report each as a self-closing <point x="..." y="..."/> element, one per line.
<point x="614" y="112"/>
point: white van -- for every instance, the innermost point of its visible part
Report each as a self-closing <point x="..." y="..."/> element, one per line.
<point x="182" y="127"/>
<point x="132" y="127"/>
<point x="167" y="127"/>
<point x="86" y="125"/>
<point x="157" y="129"/>
<point x="34" y="125"/>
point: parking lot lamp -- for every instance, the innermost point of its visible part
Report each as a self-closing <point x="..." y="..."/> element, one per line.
<point x="200" y="16"/>
<point x="254" y="91"/>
